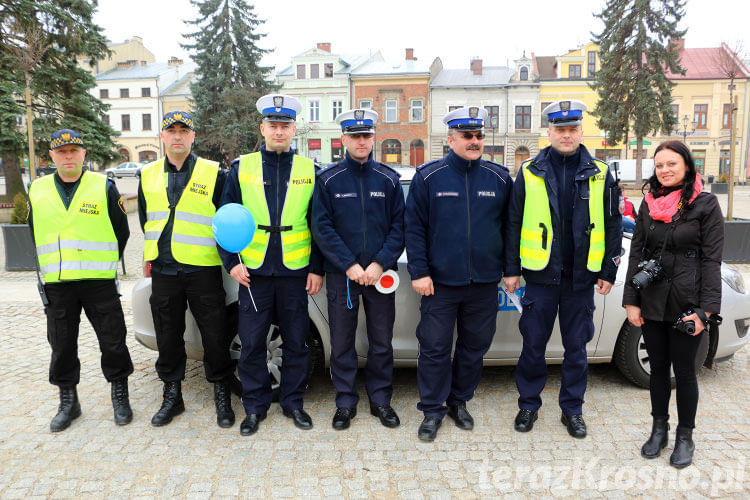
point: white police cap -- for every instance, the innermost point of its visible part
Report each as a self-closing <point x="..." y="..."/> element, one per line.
<point x="468" y="118"/>
<point x="278" y="107"/>
<point x="357" y="121"/>
<point x="568" y="113"/>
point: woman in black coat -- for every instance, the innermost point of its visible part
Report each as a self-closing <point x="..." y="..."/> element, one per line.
<point x="682" y="230"/>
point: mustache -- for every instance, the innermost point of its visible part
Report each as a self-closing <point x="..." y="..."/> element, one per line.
<point x="472" y="147"/>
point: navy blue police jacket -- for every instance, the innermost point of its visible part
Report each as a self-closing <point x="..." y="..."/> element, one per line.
<point x="358" y="215"/>
<point x="276" y="171"/>
<point x="570" y="221"/>
<point x="456" y="228"/>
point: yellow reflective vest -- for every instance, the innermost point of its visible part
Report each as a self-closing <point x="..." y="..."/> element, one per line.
<point x="536" y="229"/>
<point x="79" y="242"/>
<point x="295" y="234"/>
<point x="192" y="237"/>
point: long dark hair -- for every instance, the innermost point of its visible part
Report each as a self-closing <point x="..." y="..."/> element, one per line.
<point x="688" y="183"/>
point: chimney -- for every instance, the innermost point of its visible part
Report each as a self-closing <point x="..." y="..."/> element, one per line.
<point x="476" y="66"/>
<point x="325" y="46"/>
<point x="173" y="61"/>
<point x="126" y="64"/>
<point x="410" y="55"/>
<point x="677" y="44"/>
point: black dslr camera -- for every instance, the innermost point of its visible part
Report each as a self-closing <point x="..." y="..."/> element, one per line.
<point x="686" y="327"/>
<point x="650" y="271"/>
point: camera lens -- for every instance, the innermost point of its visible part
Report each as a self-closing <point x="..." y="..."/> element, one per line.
<point x="690" y="327"/>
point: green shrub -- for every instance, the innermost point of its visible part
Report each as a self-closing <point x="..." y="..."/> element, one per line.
<point x="723" y="179"/>
<point x="20" y="213"/>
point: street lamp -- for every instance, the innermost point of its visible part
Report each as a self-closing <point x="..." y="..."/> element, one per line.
<point x="685" y="127"/>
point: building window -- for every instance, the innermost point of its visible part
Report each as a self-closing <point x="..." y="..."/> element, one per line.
<point x="544" y="116"/>
<point x="125" y="122"/>
<point x="315" y="71"/>
<point x="493" y="153"/>
<point x="146" y="156"/>
<point x="124" y="93"/>
<point x="391" y="151"/>
<point x="391" y="110"/>
<point x="724" y="162"/>
<point x="524" y="73"/>
<point x="314" y="107"/>
<point x="300" y="72"/>
<point x="337" y="152"/>
<point x="365" y="104"/>
<point x="146" y="121"/>
<point x="591" y="63"/>
<point x="416" y="113"/>
<point x="105" y="119"/>
<point x="700" y="115"/>
<point x="329" y="70"/>
<point x="700" y="160"/>
<point x="726" y="115"/>
<point x="453" y="108"/>
<point x="313" y="145"/>
<point x="493" y="116"/>
<point x="103" y="93"/>
<point x="574" y="71"/>
<point x="337" y="106"/>
<point x="146" y="92"/>
<point x="523" y="117"/>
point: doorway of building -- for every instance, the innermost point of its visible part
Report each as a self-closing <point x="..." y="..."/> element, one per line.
<point x="416" y="153"/>
<point x="522" y="154"/>
<point x="391" y="150"/>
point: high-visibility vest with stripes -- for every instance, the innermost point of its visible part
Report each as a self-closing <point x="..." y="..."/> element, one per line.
<point x="295" y="234"/>
<point x="192" y="237"/>
<point x="79" y="242"/>
<point x="536" y="229"/>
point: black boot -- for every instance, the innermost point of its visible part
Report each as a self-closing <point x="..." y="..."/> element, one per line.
<point x="121" y="402"/>
<point x="69" y="409"/>
<point x="658" y="440"/>
<point x="223" y="400"/>
<point x="682" y="456"/>
<point x="171" y="406"/>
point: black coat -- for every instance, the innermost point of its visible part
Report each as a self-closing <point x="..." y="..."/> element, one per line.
<point x="691" y="261"/>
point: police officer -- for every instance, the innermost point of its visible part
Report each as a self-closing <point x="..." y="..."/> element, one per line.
<point x="455" y="232"/>
<point x="358" y="223"/>
<point x="177" y="198"/>
<point x="280" y="267"/>
<point x="80" y="230"/>
<point x="565" y="227"/>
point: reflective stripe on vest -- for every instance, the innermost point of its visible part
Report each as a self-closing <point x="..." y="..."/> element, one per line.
<point x="192" y="238"/>
<point x="536" y="229"/>
<point x="295" y="243"/>
<point x="78" y="242"/>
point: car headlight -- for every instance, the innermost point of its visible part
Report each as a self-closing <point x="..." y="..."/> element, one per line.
<point x="732" y="277"/>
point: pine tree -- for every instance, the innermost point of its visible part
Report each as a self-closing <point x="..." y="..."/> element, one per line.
<point x="230" y="78"/>
<point x="636" y="52"/>
<point x="59" y="87"/>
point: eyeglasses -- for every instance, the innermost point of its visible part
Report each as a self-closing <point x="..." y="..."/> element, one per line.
<point x="468" y="135"/>
<point x="364" y="135"/>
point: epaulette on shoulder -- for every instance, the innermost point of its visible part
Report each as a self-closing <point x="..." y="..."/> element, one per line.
<point x="389" y="168"/>
<point x="429" y="165"/>
<point x="498" y="165"/>
<point x="326" y="170"/>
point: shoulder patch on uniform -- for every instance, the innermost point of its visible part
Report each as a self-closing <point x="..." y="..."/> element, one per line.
<point x="389" y="169"/>
<point x="121" y="204"/>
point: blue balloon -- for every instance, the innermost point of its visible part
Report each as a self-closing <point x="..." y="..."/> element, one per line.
<point x="233" y="226"/>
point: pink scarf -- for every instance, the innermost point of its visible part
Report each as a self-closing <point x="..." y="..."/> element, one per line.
<point x="664" y="208"/>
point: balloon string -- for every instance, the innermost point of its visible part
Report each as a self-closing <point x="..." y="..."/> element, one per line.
<point x="349" y="304"/>
<point x="248" y="286"/>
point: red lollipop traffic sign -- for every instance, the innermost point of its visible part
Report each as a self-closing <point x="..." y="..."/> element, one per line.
<point x="388" y="282"/>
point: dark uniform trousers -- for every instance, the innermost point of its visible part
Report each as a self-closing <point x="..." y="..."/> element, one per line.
<point x="541" y="304"/>
<point x="283" y="299"/>
<point x="438" y="380"/>
<point x="380" y="314"/>
<point x="101" y="303"/>
<point x="204" y="292"/>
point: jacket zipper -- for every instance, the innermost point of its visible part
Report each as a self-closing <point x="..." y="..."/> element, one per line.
<point x="278" y="180"/>
<point x="468" y="221"/>
<point x="364" y="220"/>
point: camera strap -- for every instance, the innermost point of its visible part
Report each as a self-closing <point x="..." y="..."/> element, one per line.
<point x="714" y="319"/>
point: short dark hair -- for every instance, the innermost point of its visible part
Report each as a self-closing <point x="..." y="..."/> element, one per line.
<point x="688" y="184"/>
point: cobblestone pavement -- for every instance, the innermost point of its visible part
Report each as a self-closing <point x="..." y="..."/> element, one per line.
<point x="193" y="458"/>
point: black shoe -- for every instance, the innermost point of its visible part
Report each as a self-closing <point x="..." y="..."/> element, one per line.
<point x="575" y="424"/>
<point x="121" y="402"/>
<point x="171" y="406"/>
<point x="658" y="440"/>
<point x="682" y="456"/>
<point x="428" y="428"/>
<point x="69" y="409"/>
<point x="525" y="420"/>
<point x="461" y="416"/>
<point x="386" y="414"/>
<point x="343" y="417"/>
<point x="301" y="419"/>
<point x="249" y="426"/>
<point x="223" y="400"/>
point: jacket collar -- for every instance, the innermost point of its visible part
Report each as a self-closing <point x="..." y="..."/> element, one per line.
<point x="355" y="164"/>
<point x="459" y="163"/>
<point x="543" y="161"/>
<point x="273" y="155"/>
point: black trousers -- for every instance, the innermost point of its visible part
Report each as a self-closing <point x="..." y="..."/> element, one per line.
<point x="667" y="346"/>
<point x="204" y="292"/>
<point x="101" y="302"/>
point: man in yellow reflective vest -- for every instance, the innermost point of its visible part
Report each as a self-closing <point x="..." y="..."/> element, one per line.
<point x="177" y="199"/>
<point x="281" y="266"/>
<point x="565" y="226"/>
<point x="80" y="234"/>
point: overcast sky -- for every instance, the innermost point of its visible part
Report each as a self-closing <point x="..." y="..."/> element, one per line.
<point x="494" y="30"/>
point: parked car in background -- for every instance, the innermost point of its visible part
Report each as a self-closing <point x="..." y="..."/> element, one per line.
<point x="614" y="338"/>
<point x="126" y="169"/>
<point x="45" y="170"/>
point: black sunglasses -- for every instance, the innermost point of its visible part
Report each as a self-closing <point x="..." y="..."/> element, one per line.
<point x="469" y="135"/>
<point x="365" y="135"/>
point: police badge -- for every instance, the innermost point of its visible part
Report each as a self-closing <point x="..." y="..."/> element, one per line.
<point x="359" y="114"/>
<point x="473" y="112"/>
<point x="278" y="102"/>
<point x="564" y="107"/>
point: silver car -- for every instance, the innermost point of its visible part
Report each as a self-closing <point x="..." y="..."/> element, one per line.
<point x="614" y="338"/>
<point x="126" y="169"/>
